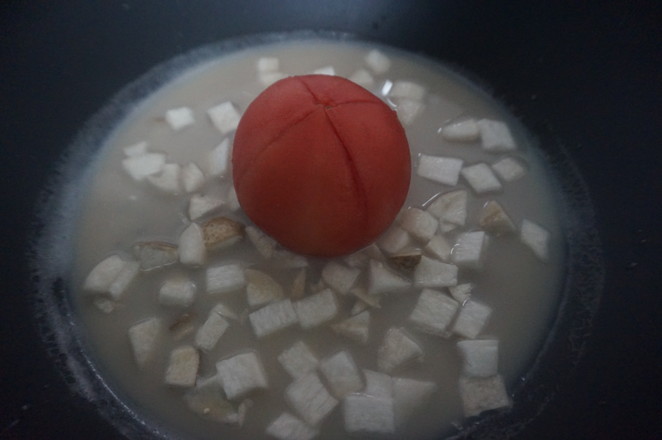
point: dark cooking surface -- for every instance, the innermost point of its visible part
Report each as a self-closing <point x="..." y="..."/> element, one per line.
<point x="587" y="77"/>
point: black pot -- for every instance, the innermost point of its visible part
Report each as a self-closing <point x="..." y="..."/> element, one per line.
<point x="583" y="78"/>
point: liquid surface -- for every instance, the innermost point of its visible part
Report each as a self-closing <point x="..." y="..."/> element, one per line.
<point x="117" y="211"/>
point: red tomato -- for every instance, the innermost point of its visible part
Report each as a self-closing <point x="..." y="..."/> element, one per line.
<point x="320" y="164"/>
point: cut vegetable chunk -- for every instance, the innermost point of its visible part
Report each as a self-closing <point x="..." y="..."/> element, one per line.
<point x="225" y="278"/>
<point x="434" y="312"/>
<point x="124" y="279"/>
<point x="381" y="280"/>
<point x="232" y="200"/>
<point x="208" y="401"/>
<point x="433" y="273"/>
<point x="366" y="298"/>
<point x="397" y="350"/>
<point x="471" y="319"/>
<point x="192" y="246"/>
<point x="406" y="260"/>
<point x="495" y="136"/>
<point x="264" y="244"/>
<point x="420" y="224"/>
<point x="201" y="205"/>
<point x="167" y="180"/>
<point x="267" y="64"/>
<point x="409" y="395"/>
<point x="178" y="118"/>
<point x="261" y="288"/>
<point x="482" y="394"/>
<point x="298" y="360"/>
<point x="316" y="309"/>
<point x="136" y="149"/>
<point x="450" y="207"/>
<point x="155" y="254"/>
<point x="377" y="61"/>
<point x="509" y="169"/>
<point x="481" y="178"/>
<point x="310" y="399"/>
<point x="141" y="166"/>
<point x="494" y="219"/>
<point x="219" y="159"/>
<point x="444" y="170"/>
<point x="536" y="238"/>
<point x="408" y="90"/>
<point x="461" y="292"/>
<point x="341" y="374"/>
<point x="101" y="277"/>
<point x="272" y="318"/>
<point x="340" y="278"/>
<point x="192" y="177"/>
<point x="378" y="384"/>
<point x="363" y="78"/>
<point x="461" y="131"/>
<point x="480" y="357"/>
<point x="225" y="117"/>
<point x="439" y="247"/>
<point x="241" y="374"/>
<point x="368" y="414"/>
<point x="177" y="292"/>
<point x="182" y="366"/>
<point x="144" y="338"/>
<point x="356" y="328"/>
<point x="288" y="427"/>
<point x="326" y="70"/>
<point x="468" y="250"/>
<point x="221" y="232"/>
<point x="394" y="240"/>
<point x="211" y="331"/>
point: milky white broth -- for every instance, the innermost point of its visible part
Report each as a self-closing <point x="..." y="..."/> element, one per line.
<point x="118" y="211"/>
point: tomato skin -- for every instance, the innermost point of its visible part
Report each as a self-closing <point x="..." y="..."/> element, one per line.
<point x="320" y="164"/>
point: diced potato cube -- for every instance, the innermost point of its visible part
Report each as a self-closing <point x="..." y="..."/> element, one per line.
<point x="101" y="277"/>
<point x="494" y="219"/>
<point x="182" y="366"/>
<point x="481" y="178"/>
<point x="200" y="205"/>
<point x="264" y="244"/>
<point x="272" y="318"/>
<point x="462" y="292"/>
<point x="155" y="254"/>
<point x="208" y="401"/>
<point x="339" y="277"/>
<point x="355" y="327"/>
<point x="408" y="90"/>
<point x="225" y="278"/>
<point x="433" y="273"/>
<point x="225" y="117"/>
<point x="298" y="360"/>
<point x="444" y="170"/>
<point x="192" y="246"/>
<point x="124" y="279"/>
<point x="315" y="310"/>
<point x="468" y="250"/>
<point x="179" y="117"/>
<point x="509" y="169"/>
<point x="211" y="331"/>
<point x="450" y="207"/>
<point x="377" y="61"/>
<point x="219" y="159"/>
<point x="406" y="260"/>
<point x="226" y="311"/>
<point x="394" y="240"/>
<point x="136" y="149"/>
<point x="241" y="374"/>
<point x="261" y="288"/>
<point x="177" y="292"/>
<point x="267" y="64"/>
<point x="288" y="427"/>
<point x="480" y="357"/>
<point x="221" y="232"/>
<point x="495" y="136"/>
<point x="434" y="312"/>
<point x="310" y="399"/>
<point x="141" y="166"/>
<point x="192" y="177"/>
<point x="420" y="224"/>
<point x="471" y="319"/>
<point x="382" y="280"/>
<point x="397" y="350"/>
<point x="341" y="374"/>
<point x="461" y="131"/>
<point x="439" y="247"/>
<point x="326" y="70"/>
<point x="144" y="338"/>
<point x="410" y="395"/>
<point x="368" y="414"/>
<point x="232" y="200"/>
<point x="408" y="109"/>
<point x="378" y="384"/>
<point x="536" y="238"/>
<point x="482" y="394"/>
<point x="363" y="78"/>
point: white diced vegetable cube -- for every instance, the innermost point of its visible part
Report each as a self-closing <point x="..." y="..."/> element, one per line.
<point x="355" y="327"/>
<point x="377" y="61"/>
<point x="326" y="70"/>
<point x="471" y="319"/>
<point x="136" y="149"/>
<point x="272" y="318"/>
<point x="289" y="260"/>
<point x="368" y="414"/>
<point x="536" y="238"/>
<point x="339" y="277"/>
<point x="408" y="90"/>
<point x="261" y="288"/>
<point x="241" y="374"/>
<point x="232" y="200"/>
<point x="450" y="207"/>
<point x="394" y="240"/>
<point x="104" y="305"/>
<point x="167" y="180"/>
<point x="433" y="273"/>
<point x="482" y="394"/>
<point x="382" y="280"/>
<point x="495" y="136"/>
<point x="192" y="177"/>
<point x="481" y="178"/>
<point x="192" y="246"/>
<point x="434" y="312"/>
<point x="461" y="131"/>
<point x="341" y="374"/>
<point x="439" y="247"/>
<point x="288" y="427"/>
<point x="378" y="384"/>
<point x="365" y="297"/>
<point x="155" y="254"/>
<point x="408" y="396"/>
<point x="310" y="399"/>
<point x="225" y="278"/>
<point x="420" y="224"/>
<point x="397" y="350"/>
<point x="444" y="170"/>
<point x="177" y="292"/>
<point x="264" y="244"/>
<point x="461" y="292"/>
<point x="226" y="311"/>
<point x="406" y="260"/>
<point x="494" y="219"/>
<point x="468" y="250"/>
<point x="408" y="109"/>
<point x="267" y="64"/>
<point x="182" y="366"/>
<point x="141" y="166"/>
<point x="179" y="118"/>
<point x="363" y="78"/>
<point x="225" y="117"/>
<point x="509" y="169"/>
<point x="124" y="279"/>
<point x="357" y="260"/>
<point x="316" y="309"/>
<point x="268" y="78"/>
<point x="103" y="274"/>
<point x="221" y="232"/>
<point x="298" y="360"/>
<point x="144" y="338"/>
<point x="201" y="205"/>
<point x="211" y="331"/>
<point x="219" y="159"/>
<point x="480" y="357"/>
<point x="207" y="400"/>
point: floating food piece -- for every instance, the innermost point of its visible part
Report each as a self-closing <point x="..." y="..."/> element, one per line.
<point x="155" y="254"/>
<point x="382" y="280"/>
<point x="208" y="401"/>
<point x="136" y="149"/>
<point x="495" y="136"/>
<point x="298" y="360"/>
<point x="288" y="427"/>
<point x="341" y="374"/>
<point x="408" y="90"/>
<point x="111" y="276"/>
<point x="182" y="366"/>
<point x="509" y="169"/>
<point x="241" y="374"/>
<point x="368" y="299"/>
<point x="182" y="327"/>
<point x="315" y="310"/>
<point x="420" y="224"/>
<point x="177" y="292"/>
<point x="433" y="273"/>
<point x="224" y="116"/>
<point x="221" y="232"/>
<point x="494" y="219"/>
<point x="481" y="178"/>
<point x="261" y="288"/>
<point x="397" y="350"/>
<point x="461" y="292"/>
<point x="363" y="78"/>
<point x="434" y="312"/>
<point x="536" y="238"/>
<point x="144" y="339"/>
<point x="461" y="131"/>
<point x="326" y="70"/>
<point x="201" y="205"/>
<point x="469" y="248"/>
<point x="192" y="177"/>
<point x="211" y="331"/>
<point x="439" y="247"/>
<point x="406" y="260"/>
<point x="167" y="180"/>
<point x="378" y="384"/>
<point x="482" y="394"/>
<point x="310" y="399"/>
<point x="377" y="61"/>
<point x="139" y="166"/>
<point x="264" y="244"/>
<point x="219" y="159"/>
<point x="368" y="414"/>
<point x="225" y="278"/>
<point x="450" y="207"/>
<point x="356" y="328"/>
<point x="409" y="395"/>
<point x="394" y="240"/>
<point x="444" y="170"/>
<point x="192" y="251"/>
<point x="340" y="278"/>
<point x="471" y="319"/>
<point x="180" y="117"/>
<point x="273" y="317"/>
<point x="480" y="357"/>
